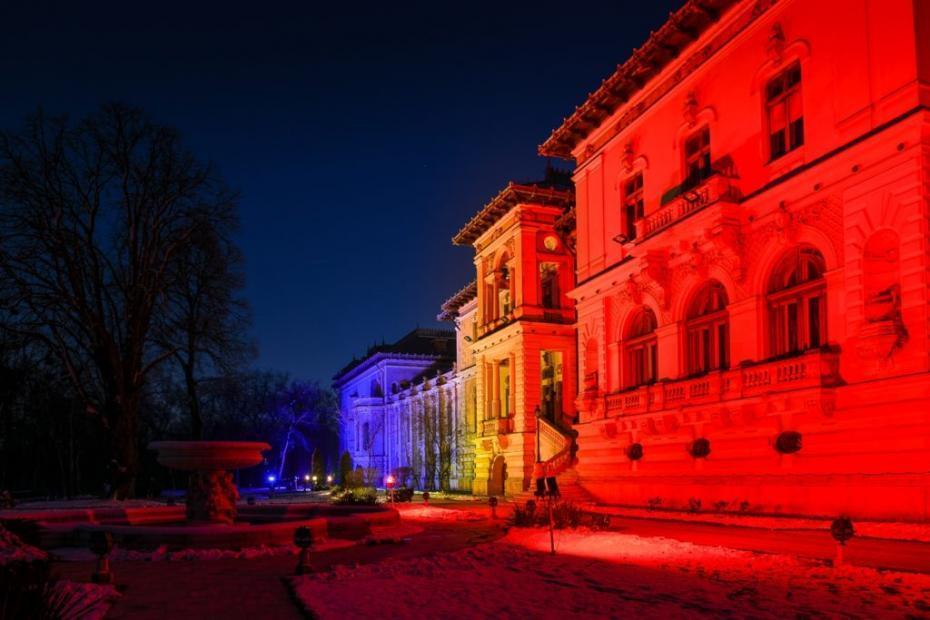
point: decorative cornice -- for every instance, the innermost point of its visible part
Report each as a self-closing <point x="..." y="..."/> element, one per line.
<point x="507" y="199"/>
<point x="683" y="28"/>
<point x="450" y="308"/>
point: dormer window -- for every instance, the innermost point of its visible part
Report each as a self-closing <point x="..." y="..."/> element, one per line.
<point x="697" y="157"/>
<point x="784" y="112"/>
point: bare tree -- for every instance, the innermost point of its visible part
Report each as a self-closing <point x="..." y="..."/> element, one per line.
<point x="206" y="322"/>
<point x="92" y="217"/>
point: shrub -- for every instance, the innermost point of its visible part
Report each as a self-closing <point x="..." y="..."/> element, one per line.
<point x="721" y="505"/>
<point x="744" y="506"/>
<point x="565" y="514"/>
<point x="359" y="496"/>
<point x="635" y="452"/>
<point x="694" y="504"/>
<point x="403" y="494"/>
<point x="700" y="448"/>
<point x="355" y="478"/>
<point x="788" y="442"/>
<point x="345" y="468"/>
<point x="654" y="502"/>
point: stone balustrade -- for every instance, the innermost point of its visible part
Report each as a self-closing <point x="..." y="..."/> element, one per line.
<point x="717" y="188"/>
<point x="812" y="369"/>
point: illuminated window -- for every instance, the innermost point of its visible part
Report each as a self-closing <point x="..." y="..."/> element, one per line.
<point x="640" y="348"/>
<point x="797" y="303"/>
<point x="784" y="111"/>
<point x="549" y="281"/>
<point x="503" y="291"/>
<point x="633" y="205"/>
<point x="697" y="157"/>
<point x="707" y="328"/>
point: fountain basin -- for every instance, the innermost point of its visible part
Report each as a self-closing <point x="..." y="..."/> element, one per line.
<point x="152" y="527"/>
<point x="212" y="494"/>
<point x="209" y="455"/>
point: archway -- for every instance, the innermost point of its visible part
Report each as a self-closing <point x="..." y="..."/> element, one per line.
<point x="498" y="475"/>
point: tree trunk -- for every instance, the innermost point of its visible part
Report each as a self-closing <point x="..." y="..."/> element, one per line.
<point x="124" y="464"/>
<point x="193" y="402"/>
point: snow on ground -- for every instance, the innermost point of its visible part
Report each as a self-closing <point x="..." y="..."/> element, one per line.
<point x="84" y="601"/>
<point x="608" y="574"/>
<point x="436" y="513"/>
<point x="877" y="529"/>
<point x="12" y="549"/>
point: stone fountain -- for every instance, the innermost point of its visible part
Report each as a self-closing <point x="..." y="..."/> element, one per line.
<point x="212" y="494"/>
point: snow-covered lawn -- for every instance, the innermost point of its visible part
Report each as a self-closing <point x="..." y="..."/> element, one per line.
<point x="608" y="574"/>
<point x="78" y="601"/>
<point x="876" y="529"/>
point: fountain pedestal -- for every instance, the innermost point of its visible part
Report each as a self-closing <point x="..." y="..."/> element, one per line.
<point x="212" y="494"/>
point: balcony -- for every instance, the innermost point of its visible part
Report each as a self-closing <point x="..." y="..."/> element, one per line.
<point x="813" y="369"/>
<point x="689" y="197"/>
<point x="496" y="426"/>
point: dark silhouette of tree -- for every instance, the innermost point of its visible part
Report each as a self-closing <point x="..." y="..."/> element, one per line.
<point x="305" y="416"/>
<point x="94" y="216"/>
<point x="206" y="321"/>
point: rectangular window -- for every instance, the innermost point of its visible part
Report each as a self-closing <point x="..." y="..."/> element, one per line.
<point x="784" y="111"/>
<point x="633" y="205"/>
<point x="697" y="158"/>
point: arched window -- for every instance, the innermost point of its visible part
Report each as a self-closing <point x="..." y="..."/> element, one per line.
<point x="640" y="348"/>
<point x="376" y="389"/>
<point x="707" y="329"/>
<point x="503" y="291"/>
<point x="797" y="303"/>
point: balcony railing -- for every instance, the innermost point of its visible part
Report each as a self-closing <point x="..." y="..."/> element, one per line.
<point x="812" y="369"/>
<point x="689" y="198"/>
<point x="496" y="426"/>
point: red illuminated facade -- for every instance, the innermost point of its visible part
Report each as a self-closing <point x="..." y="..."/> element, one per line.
<point x="752" y="261"/>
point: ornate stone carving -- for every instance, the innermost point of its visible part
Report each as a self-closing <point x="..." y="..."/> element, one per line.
<point x="628" y="157"/>
<point x="690" y="109"/>
<point x="775" y="47"/>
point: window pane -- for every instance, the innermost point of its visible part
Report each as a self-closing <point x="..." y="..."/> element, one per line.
<point x="814" y="321"/>
<point x="777" y="144"/>
<point x="723" y="346"/>
<point x="796" y="131"/>
<point x="792" y="327"/>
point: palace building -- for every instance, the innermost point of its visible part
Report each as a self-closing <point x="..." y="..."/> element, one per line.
<point x="727" y="302"/>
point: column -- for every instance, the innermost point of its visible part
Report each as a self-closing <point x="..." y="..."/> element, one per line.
<point x="496" y="389"/>
<point x="512" y="369"/>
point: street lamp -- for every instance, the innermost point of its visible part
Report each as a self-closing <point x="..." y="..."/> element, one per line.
<point x="389" y="483"/>
<point x="314" y="482"/>
<point x="538" y="413"/>
<point x="306" y="482"/>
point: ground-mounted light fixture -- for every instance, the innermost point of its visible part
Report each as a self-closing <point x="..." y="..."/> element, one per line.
<point x="101" y="543"/>
<point x="303" y="538"/>
<point x="842" y="530"/>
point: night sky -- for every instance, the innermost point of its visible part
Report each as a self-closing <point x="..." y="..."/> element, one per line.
<point x="360" y="137"/>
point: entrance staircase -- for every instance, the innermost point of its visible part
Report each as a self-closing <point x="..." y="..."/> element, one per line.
<point x="557" y="449"/>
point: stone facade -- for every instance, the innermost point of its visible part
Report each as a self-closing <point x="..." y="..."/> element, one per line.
<point x="752" y="263"/>
<point x="728" y="303"/>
